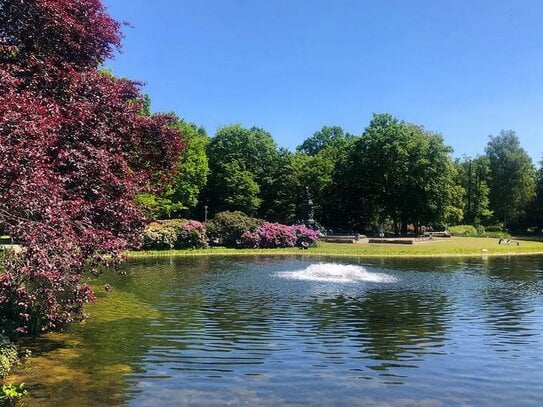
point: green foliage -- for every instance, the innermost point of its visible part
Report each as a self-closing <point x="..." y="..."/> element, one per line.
<point x="478" y="231"/>
<point x="192" y="172"/>
<point x="158" y="236"/>
<point x="228" y="227"/>
<point x="473" y="176"/>
<point x="512" y="178"/>
<point x="8" y="358"/>
<point x="174" y="234"/>
<point x="402" y="171"/>
<point x="242" y="165"/>
<point x="236" y="188"/>
<point x="463" y="230"/>
<point x="10" y="394"/>
<point x="536" y="208"/>
<point x="313" y="166"/>
<point x="494" y="228"/>
<point x="328" y="136"/>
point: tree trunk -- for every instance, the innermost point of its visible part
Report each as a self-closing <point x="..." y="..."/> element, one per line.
<point x="404" y="226"/>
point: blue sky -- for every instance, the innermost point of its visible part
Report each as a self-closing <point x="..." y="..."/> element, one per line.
<point x="466" y="69"/>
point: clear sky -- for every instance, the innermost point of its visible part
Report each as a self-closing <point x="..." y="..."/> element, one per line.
<point x="464" y="68"/>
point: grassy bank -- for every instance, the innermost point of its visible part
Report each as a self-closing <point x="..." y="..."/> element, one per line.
<point x="456" y="246"/>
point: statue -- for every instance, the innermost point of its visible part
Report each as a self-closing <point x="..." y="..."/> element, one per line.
<point x="307" y="212"/>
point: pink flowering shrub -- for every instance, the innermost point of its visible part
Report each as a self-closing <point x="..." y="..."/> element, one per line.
<point x="250" y="240"/>
<point x="305" y="235"/>
<point x="273" y="235"/>
<point x="191" y="235"/>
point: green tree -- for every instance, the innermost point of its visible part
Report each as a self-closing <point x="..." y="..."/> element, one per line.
<point x="192" y="171"/>
<point x="473" y="174"/>
<point x="402" y="171"/>
<point x="325" y="137"/>
<point x="284" y="195"/>
<point x="297" y="171"/>
<point x="512" y="178"/>
<point x="536" y="210"/>
<point x="249" y="159"/>
<point x="237" y="189"/>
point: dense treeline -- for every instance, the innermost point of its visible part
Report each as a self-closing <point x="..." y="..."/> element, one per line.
<point x="394" y="175"/>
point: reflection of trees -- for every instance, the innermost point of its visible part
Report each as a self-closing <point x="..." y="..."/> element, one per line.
<point x="88" y="364"/>
<point x="425" y="264"/>
<point x="401" y="322"/>
<point x="389" y="325"/>
<point x="507" y="300"/>
<point x="235" y="317"/>
<point x="523" y="271"/>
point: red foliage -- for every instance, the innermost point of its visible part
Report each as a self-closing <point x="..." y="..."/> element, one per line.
<point x="74" y="151"/>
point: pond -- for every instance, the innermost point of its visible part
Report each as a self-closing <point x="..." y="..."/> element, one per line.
<point x="302" y="331"/>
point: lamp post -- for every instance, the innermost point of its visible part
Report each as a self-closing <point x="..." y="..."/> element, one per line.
<point x="205" y="213"/>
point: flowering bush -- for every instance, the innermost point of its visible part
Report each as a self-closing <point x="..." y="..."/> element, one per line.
<point x="250" y="240"/>
<point x="174" y="234"/>
<point x="158" y="236"/>
<point x="305" y="235"/>
<point x="273" y="235"/>
<point x="191" y="235"/>
<point x="227" y="227"/>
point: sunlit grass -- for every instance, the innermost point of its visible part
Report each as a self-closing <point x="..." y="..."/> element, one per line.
<point x="455" y="246"/>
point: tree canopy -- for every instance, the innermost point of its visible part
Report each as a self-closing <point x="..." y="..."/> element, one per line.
<point x="75" y="152"/>
<point x="242" y="163"/>
<point x="401" y="171"/>
<point x="512" y="177"/>
<point x="325" y="137"/>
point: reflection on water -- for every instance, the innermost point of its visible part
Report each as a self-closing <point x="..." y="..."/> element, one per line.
<point x="269" y="331"/>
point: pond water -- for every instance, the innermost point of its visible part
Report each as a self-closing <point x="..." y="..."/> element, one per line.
<point x="302" y="331"/>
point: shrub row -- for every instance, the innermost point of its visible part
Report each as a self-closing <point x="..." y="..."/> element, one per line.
<point x="479" y="231"/>
<point x="275" y="235"/>
<point x="230" y="229"/>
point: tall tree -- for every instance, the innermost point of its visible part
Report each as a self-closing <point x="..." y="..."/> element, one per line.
<point x="536" y="209"/>
<point x="297" y="171"/>
<point x="403" y="171"/>
<point x="253" y="153"/>
<point x="473" y="174"/>
<point x="75" y="151"/>
<point x="237" y="189"/>
<point x="512" y="177"/>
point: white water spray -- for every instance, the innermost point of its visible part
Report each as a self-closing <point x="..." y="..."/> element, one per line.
<point x="336" y="273"/>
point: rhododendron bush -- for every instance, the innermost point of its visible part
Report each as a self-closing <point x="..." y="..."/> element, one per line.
<point x="306" y="236"/>
<point x="275" y="235"/>
<point x="174" y="234"/>
<point x="74" y="152"/>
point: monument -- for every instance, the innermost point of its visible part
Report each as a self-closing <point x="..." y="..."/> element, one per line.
<point x="307" y="212"/>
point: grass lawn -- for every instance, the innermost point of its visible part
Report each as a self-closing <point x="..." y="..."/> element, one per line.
<point x="455" y="246"/>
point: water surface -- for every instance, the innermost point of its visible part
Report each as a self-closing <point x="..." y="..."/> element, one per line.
<point x="290" y="331"/>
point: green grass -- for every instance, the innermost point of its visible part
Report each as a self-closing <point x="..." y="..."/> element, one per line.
<point x="455" y="246"/>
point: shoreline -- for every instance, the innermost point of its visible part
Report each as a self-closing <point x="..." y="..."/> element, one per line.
<point x="257" y="252"/>
<point x="475" y="247"/>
